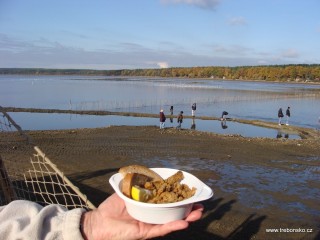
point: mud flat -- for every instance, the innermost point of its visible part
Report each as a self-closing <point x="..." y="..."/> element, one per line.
<point x="259" y="183"/>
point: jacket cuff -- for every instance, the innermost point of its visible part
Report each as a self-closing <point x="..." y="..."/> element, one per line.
<point x="71" y="229"/>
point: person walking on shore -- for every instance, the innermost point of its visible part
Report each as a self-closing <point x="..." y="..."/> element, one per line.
<point x="171" y="114"/>
<point x="180" y="119"/>
<point x="162" y="119"/>
<point x="288" y="115"/>
<point x="280" y="115"/>
<point x="171" y="110"/>
<point x="193" y="109"/>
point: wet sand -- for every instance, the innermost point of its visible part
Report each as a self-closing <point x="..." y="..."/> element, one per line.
<point x="234" y="167"/>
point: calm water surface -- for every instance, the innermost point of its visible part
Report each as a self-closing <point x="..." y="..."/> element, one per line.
<point x="54" y="121"/>
<point x="247" y="100"/>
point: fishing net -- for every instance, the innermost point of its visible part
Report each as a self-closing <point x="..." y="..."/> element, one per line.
<point x="27" y="174"/>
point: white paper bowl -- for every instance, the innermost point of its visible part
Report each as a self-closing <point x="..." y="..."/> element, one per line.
<point x="167" y="212"/>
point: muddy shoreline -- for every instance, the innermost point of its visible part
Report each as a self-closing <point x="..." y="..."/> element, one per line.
<point x="304" y="133"/>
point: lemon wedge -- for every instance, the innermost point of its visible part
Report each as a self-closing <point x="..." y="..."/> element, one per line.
<point x="140" y="194"/>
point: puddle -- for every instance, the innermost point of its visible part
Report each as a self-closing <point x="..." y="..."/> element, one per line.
<point x="55" y="121"/>
<point x="258" y="186"/>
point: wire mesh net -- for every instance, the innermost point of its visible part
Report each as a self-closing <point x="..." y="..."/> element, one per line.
<point x="26" y="173"/>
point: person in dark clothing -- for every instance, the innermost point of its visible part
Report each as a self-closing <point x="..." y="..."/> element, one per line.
<point x="280" y="115"/>
<point x="180" y="119"/>
<point x="162" y="119"/>
<point x="288" y="114"/>
<point x="171" y="114"/>
<point x="223" y="116"/>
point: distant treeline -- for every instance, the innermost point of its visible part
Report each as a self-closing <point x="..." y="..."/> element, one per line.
<point x="298" y="73"/>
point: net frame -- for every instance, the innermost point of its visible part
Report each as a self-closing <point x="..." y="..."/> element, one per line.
<point x="47" y="181"/>
<point x="39" y="180"/>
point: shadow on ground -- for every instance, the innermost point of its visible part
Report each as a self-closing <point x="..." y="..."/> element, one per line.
<point x="95" y="195"/>
<point x="214" y="211"/>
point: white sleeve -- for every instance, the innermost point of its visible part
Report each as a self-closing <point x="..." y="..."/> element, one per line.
<point x="27" y="220"/>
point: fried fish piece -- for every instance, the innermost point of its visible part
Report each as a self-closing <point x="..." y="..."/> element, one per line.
<point x="170" y="190"/>
<point x="177" y="177"/>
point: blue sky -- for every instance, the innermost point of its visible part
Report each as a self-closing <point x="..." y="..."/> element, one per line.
<point x="130" y="34"/>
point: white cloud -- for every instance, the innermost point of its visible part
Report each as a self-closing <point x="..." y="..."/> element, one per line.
<point x="290" y="53"/>
<point x="237" y="21"/>
<point x="43" y="53"/>
<point x="163" y="64"/>
<point x="205" y="4"/>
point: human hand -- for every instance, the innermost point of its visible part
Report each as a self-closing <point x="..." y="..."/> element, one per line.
<point x="112" y="221"/>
